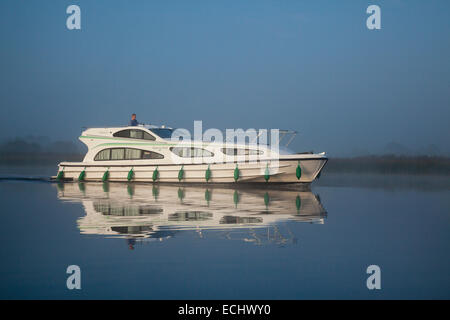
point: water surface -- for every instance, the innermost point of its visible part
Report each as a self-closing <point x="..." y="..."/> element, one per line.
<point x="167" y="242"/>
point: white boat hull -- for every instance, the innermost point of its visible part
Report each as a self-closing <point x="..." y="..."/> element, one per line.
<point x="282" y="171"/>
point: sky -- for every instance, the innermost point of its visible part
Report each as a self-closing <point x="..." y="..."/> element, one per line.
<point x="309" y="66"/>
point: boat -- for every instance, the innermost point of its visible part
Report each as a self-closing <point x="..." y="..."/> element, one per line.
<point x="146" y="211"/>
<point x="148" y="153"/>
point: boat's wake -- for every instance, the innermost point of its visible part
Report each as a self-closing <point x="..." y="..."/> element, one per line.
<point x="26" y="178"/>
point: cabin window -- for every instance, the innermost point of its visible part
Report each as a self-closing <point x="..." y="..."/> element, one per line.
<point x="132" y="154"/>
<point x="187" y="152"/>
<point x="241" y="152"/>
<point x="134" y="134"/>
<point x="151" y="155"/>
<point x="122" y="134"/>
<point x="117" y="154"/>
<point x="103" y="155"/>
<point x="126" y="154"/>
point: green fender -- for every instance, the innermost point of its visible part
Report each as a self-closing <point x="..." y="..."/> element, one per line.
<point x="60" y="175"/>
<point x="82" y="175"/>
<point x="155" y="174"/>
<point x="208" y="174"/>
<point x="267" y="173"/>
<point x="236" y="173"/>
<point x="181" y="174"/>
<point x="130" y="175"/>
<point x="298" y="171"/>
<point x="105" y="176"/>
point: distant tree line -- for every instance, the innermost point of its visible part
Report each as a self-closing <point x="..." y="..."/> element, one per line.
<point x="391" y="164"/>
<point x="31" y="151"/>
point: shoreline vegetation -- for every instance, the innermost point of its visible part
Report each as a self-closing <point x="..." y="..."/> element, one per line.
<point x="382" y="164"/>
<point x="41" y="151"/>
<point x="37" y="158"/>
<point x="390" y="164"/>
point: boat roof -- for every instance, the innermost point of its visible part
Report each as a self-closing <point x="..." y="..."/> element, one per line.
<point x="140" y="125"/>
<point x="290" y="134"/>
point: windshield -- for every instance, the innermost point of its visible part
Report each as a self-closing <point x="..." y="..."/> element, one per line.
<point x="162" y="132"/>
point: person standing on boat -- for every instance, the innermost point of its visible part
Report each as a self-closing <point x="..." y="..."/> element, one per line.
<point x="133" y="121"/>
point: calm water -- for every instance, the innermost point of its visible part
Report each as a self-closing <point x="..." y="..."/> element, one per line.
<point x="139" y="241"/>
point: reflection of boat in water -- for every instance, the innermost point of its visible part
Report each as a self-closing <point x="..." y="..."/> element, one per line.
<point x="145" y="211"/>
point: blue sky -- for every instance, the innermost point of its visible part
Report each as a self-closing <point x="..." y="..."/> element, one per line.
<point x="311" y="66"/>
